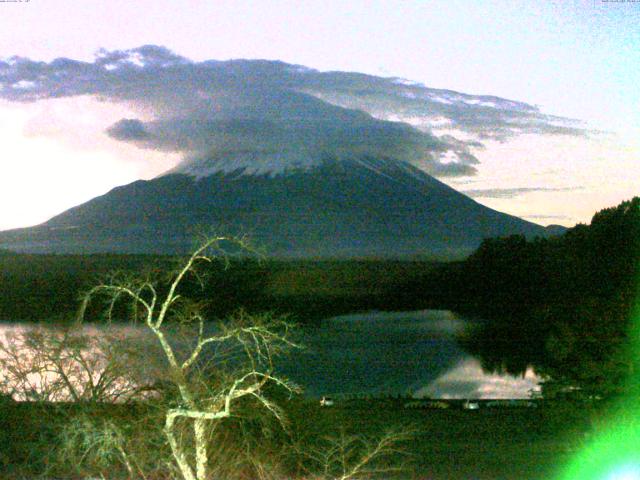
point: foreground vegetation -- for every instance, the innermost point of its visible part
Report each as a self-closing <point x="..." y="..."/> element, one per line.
<point x="205" y="403"/>
<point x="527" y="444"/>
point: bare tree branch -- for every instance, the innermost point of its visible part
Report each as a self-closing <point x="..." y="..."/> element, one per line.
<point x="259" y="338"/>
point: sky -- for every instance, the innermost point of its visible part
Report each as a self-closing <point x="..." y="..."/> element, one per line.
<point x="576" y="59"/>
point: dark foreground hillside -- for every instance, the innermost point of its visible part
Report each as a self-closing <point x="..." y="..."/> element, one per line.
<point x="485" y="444"/>
<point x="451" y="444"/>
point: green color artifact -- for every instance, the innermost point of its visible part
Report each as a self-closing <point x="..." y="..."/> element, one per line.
<point x="614" y="451"/>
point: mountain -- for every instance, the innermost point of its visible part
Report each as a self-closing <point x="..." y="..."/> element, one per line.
<point x="349" y="207"/>
<point x="554" y="230"/>
<point x="309" y="163"/>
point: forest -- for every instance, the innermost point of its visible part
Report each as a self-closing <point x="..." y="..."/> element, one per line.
<point x="42" y="288"/>
<point x="564" y="305"/>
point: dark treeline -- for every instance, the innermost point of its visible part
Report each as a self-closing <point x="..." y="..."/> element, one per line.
<point x="562" y="305"/>
<point x="48" y="287"/>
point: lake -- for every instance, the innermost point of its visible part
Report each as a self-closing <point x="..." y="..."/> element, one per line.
<point x="397" y="353"/>
<point x="383" y="353"/>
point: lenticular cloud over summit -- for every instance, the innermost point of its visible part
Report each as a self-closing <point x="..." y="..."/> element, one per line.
<point x="270" y="117"/>
<point x="307" y="163"/>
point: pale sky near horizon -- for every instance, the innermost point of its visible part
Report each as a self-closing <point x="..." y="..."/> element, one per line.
<point x="574" y="58"/>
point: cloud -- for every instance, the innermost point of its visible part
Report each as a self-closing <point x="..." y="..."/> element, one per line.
<point x="265" y="110"/>
<point x="128" y="129"/>
<point x="548" y="217"/>
<point x="513" y="192"/>
<point x="450" y="169"/>
<point x="485" y="117"/>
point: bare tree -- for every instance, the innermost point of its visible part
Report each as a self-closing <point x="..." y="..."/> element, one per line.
<point x="349" y="457"/>
<point x="211" y="374"/>
<point x="53" y="364"/>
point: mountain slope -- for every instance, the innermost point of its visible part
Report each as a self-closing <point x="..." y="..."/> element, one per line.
<point x="359" y="206"/>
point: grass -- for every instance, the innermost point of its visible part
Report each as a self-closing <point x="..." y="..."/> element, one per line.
<point x="452" y="444"/>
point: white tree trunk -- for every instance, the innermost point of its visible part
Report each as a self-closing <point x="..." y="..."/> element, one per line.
<point x="176" y="450"/>
<point x="200" y="430"/>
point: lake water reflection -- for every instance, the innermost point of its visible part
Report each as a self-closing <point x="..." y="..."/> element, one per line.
<point x="397" y="353"/>
<point x="385" y="353"/>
